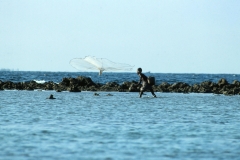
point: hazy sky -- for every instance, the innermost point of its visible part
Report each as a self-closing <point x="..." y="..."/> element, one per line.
<point x="165" y="36"/>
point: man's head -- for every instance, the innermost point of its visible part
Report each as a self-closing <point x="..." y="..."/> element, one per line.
<point x="139" y="70"/>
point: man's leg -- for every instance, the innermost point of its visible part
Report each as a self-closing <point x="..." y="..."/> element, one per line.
<point x="141" y="91"/>
<point x="140" y="94"/>
<point x="154" y="95"/>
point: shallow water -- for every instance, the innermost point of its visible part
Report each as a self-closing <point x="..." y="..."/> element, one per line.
<point x="122" y="126"/>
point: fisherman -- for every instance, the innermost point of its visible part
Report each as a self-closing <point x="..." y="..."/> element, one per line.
<point x="145" y="84"/>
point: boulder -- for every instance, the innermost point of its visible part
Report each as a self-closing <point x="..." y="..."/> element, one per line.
<point x="216" y="90"/>
<point x="29" y="88"/>
<point x="73" y="89"/>
<point x="178" y="85"/>
<point x="58" y="90"/>
<point x="134" y="88"/>
<point x="65" y="82"/>
<point x="49" y="85"/>
<point x="195" y="88"/>
<point x="92" y="88"/>
<point x="228" y="93"/>
<point x="112" y="84"/>
<point x="208" y="84"/>
<point x="222" y="82"/>
<point x="19" y="86"/>
<point x="164" y="85"/>
<point x="236" y="83"/>
<point x="236" y="91"/>
<point x="73" y="82"/>
<point x="126" y="85"/>
<point x="204" y="90"/>
<point x="1" y="83"/>
<point x="85" y="81"/>
<point x="8" y="85"/>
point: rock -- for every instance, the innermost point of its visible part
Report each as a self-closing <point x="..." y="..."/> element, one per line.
<point x="73" y="89"/>
<point x="195" y="88"/>
<point x="164" y="85"/>
<point x="65" y="82"/>
<point x="58" y="90"/>
<point x="179" y="86"/>
<point x="134" y="88"/>
<point x="208" y="85"/>
<point x="19" y="86"/>
<point x="29" y="88"/>
<point x="204" y="90"/>
<point x="222" y="82"/>
<point x="190" y="89"/>
<point x="71" y="84"/>
<point x="228" y="93"/>
<point x="205" y="87"/>
<point x="49" y="85"/>
<point x="1" y="84"/>
<point x="236" y="83"/>
<point x="86" y="84"/>
<point x="85" y="81"/>
<point x="174" y="86"/>
<point x="112" y="84"/>
<point x="216" y="90"/>
<point x="182" y="87"/>
<point x="8" y="85"/>
<point x="74" y="82"/>
<point x="124" y="87"/>
<point x="92" y="88"/>
<point x="236" y="91"/>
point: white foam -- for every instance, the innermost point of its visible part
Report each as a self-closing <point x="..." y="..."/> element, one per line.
<point x="40" y="81"/>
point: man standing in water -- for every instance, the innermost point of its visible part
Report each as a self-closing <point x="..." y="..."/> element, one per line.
<point x="145" y="84"/>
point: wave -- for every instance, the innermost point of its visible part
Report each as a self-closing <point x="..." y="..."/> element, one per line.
<point x="40" y="81"/>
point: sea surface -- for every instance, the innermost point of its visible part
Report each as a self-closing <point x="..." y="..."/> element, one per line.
<point x="119" y="77"/>
<point x="117" y="125"/>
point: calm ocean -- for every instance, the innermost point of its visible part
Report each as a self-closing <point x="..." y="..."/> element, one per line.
<point x="122" y="126"/>
<point x="190" y="78"/>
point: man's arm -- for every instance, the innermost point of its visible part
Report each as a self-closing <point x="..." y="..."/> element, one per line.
<point x="140" y="80"/>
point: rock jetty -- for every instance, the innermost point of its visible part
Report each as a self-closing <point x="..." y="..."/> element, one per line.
<point x="82" y="83"/>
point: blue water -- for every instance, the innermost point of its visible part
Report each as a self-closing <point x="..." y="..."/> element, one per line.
<point x="121" y="126"/>
<point x="23" y="76"/>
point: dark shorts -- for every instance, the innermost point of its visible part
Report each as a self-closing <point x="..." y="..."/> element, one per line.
<point x="145" y="86"/>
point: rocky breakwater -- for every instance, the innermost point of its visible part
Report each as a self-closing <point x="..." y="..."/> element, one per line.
<point x="221" y="87"/>
<point x="78" y="84"/>
<point x="86" y="84"/>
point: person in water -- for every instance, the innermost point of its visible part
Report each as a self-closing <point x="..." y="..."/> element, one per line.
<point x="145" y="84"/>
<point x="51" y="97"/>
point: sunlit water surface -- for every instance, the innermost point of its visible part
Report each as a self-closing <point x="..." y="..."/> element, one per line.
<point x="121" y="126"/>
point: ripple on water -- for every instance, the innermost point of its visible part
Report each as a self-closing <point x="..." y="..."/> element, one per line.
<point x="121" y="126"/>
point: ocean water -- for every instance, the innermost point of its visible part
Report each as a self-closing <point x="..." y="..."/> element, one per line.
<point x="121" y="126"/>
<point x="41" y="77"/>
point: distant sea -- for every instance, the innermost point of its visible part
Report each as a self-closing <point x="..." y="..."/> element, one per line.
<point x="119" y="77"/>
<point x="117" y="125"/>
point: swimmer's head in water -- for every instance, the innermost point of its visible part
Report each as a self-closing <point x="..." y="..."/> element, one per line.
<point x="51" y="97"/>
<point x="139" y="70"/>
